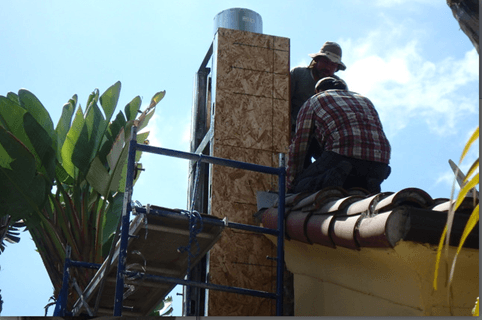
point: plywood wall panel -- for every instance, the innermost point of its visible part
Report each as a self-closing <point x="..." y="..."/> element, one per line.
<point x="256" y="156"/>
<point x="232" y="37"/>
<point x="243" y="56"/>
<point x="244" y="121"/>
<point x="229" y="304"/>
<point x="245" y="266"/>
<point x="245" y="81"/>
<point x="239" y="212"/>
<point x="251" y="124"/>
<point x="281" y="64"/>
<point x="281" y="89"/>
<point x="281" y="43"/>
<point x="281" y="126"/>
<point x="238" y="185"/>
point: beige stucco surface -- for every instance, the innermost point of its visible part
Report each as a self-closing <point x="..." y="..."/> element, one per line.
<point x="378" y="282"/>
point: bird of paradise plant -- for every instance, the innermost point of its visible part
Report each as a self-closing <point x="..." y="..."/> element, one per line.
<point x="66" y="183"/>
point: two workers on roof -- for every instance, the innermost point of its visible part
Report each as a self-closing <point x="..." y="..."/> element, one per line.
<point x="338" y="128"/>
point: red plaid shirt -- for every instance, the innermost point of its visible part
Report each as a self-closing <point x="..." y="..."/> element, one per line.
<point x="341" y="121"/>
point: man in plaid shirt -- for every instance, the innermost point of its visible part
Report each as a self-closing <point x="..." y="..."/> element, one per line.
<point x="346" y="125"/>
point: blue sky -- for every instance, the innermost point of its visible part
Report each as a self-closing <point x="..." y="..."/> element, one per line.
<point x="408" y="56"/>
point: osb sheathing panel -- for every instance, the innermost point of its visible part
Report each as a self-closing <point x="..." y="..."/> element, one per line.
<point x="281" y="62"/>
<point x="248" y="62"/>
<point x="230" y="37"/>
<point x="238" y="259"/>
<point x="281" y="87"/>
<point x="283" y="44"/>
<point x="245" y="266"/>
<point x="245" y="81"/>
<point x="244" y="121"/>
<point x="251" y="124"/>
<point x="281" y="125"/>
<point x="239" y="55"/>
<point x="238" y="185"/>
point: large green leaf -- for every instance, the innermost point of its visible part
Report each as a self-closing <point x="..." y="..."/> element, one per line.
<point x="112" y="132"/>
<point x="42" y="143"/>
<point x="70" y="141"/>
<point x="112" y="215"/>
<point x="93" y="98"/>
<point x="122" y="183"/>
<point x="62" y="176"/>
<point x="23" y="189"/>
<point x="14" y="97"/>
<point x="11" y="118"/>
<point x="98" y="177"/>
<point x="132" y="108"/>
<point x="143" y="119"/>
<point x="93" y="133"/>
<point x="146" y="120"/>
<point x="105" y="181"/>
<point x="116" y="150"/>
<point x="63" y="125"/>
<point x="89" y="139"/>
<point x="29" y="102"/>
<point x="157" y="98"/>
<point x="109" y="99"/>
<point x="25" y="127"/>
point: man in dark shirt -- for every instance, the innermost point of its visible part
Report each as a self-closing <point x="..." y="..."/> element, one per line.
<point x="356" y="152"/>
<point x="303" y="79"/>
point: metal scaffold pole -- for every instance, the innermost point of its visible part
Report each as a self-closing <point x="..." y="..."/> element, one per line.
<point x="281" y="235"/>
<point x="124" y="238"/>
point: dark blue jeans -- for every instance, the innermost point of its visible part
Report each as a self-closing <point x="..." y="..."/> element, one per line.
<point x="334" y="170"/>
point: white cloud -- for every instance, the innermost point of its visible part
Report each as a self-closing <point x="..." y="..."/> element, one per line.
<point x="388" y="67"/>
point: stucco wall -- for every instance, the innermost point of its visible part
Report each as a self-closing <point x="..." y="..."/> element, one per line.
<point x="378" y="282"/>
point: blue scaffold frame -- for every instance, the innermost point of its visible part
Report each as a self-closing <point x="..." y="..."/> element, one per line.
<point x="60" y="309"/>
<point x="280" y="171"/>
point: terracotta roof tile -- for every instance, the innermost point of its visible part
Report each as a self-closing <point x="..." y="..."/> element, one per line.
<point x="353" y="218"/>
